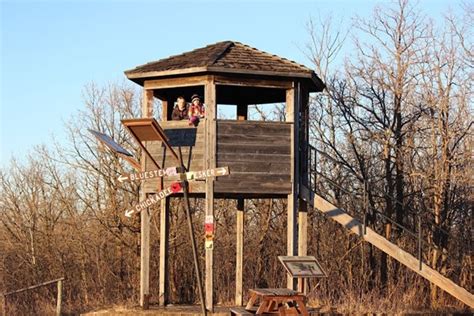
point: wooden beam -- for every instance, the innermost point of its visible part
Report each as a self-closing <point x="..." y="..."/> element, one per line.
<point x="147" y="105"/>
<point x="303" y="142"/>
<point x="59" y="300"/>
<point x="147" y="111"/>
<point x="242" y="112"/>
<point x="239" y="262"/>
<point x="164" y="110"/>
<point x="292" y="107"/>
<point x="166" y="83"/>
<point x="144" y="254"/>
<point x="253" y="82"/>
<point x="164" y="246"/>
<point x="302" y="239"/>
<point x="393" y="250"/>
<point x="210" y="162"/>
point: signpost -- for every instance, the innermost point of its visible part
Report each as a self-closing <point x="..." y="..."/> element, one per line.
<point x="173" y="171"/>
<point x="148" y="129"/>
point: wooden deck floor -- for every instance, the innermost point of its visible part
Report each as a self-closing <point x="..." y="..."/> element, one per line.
<point x="178" y="310"/>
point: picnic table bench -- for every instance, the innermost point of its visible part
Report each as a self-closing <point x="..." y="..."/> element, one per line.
<point x="274" y="301"/>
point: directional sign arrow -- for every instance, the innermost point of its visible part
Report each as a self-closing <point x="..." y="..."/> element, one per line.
<point x="215" y="172"/>
<point x="150" y="174"/>
<point x="123" y="178"/>
<point x="173" y="171"/>
<point x="174" y="188"/>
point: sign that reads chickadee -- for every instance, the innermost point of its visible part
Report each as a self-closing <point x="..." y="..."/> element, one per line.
<point x="174" y="188"/>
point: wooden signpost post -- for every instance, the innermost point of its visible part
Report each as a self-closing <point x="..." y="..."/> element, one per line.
<point x="149" y="130"/>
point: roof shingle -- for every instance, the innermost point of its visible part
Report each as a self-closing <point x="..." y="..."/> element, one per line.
<point x="226" y="55"/>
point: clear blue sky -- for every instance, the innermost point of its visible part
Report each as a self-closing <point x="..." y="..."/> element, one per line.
<point x="51" y="49"/>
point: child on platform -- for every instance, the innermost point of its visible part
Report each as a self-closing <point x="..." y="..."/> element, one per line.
<point x="196" y="110"/>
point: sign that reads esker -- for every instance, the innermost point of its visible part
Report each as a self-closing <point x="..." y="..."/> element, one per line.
<point x="197" y="175"/>
<point x="172" y="171"/>
<point x="174" y="188"/>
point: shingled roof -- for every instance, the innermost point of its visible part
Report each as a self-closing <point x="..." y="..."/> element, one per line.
<point x="227" y="56"/>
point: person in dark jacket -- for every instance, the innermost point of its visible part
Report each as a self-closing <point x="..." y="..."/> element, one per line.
<point x="180" y="111"/>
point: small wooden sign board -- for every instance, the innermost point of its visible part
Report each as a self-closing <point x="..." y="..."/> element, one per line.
<point x="148" y="129"/>
<point x="302" y="267"/>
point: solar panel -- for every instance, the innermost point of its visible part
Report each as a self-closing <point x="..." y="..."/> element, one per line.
<point x="109" y="142"/>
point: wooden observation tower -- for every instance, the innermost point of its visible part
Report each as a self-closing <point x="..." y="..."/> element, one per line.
<point x="265" y="159"/>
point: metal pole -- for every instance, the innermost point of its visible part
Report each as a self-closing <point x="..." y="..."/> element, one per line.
<point x="191" y="235"/>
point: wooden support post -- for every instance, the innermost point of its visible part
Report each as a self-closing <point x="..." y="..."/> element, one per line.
<point x="164" y="110"/>
<point x="303" y="140"/>
<point x="147" y="111"/>
<point x="302" y="239"/>
<point x="242" y="112"/>
<point x="210" y="162"/>
<point x="144" y="254"/>
<point x="239" y="262"/>
<point x="4" y="305"/>
<point x="60" y="298"/>
<point x="164" y="246"/>
<point x="292" y="108"/>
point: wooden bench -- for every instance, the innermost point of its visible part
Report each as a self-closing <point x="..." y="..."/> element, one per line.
<point x="240" y="311"/>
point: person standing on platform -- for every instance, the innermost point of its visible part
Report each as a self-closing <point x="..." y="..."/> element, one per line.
<point x="180" y="111"/>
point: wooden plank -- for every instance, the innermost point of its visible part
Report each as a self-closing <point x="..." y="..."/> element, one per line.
<point x="279" y="149"/>
<point x="164" y="246"/>
<point x="252" y="127"/>
<point x="183" y="124"/>
<point x="260" y="72"/>
<point x="254" y="138"/>
<point x="222" y="158"/>
<point x="33" y="287"/>
<point x="244" y="185"/>
<point x="239" y="262"/>
<point x="210" y="162"/>
<point x="151" y="74"/>
<point x="257" y="167"/>
<point x="393" y="250"/>
<point x="237" y="311"/>
<point x="252" y="82"/>
<point x="175" y="82"/>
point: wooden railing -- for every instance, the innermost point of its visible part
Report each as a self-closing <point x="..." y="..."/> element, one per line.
<point x="59" y="296"/>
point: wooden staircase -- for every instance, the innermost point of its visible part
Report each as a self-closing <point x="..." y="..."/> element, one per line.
<point x="392" y="250"/>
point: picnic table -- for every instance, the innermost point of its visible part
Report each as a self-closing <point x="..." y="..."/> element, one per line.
<point x="277" y="301"/>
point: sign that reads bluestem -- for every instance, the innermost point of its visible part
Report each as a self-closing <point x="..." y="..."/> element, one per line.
<point x="172" y="171"/>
